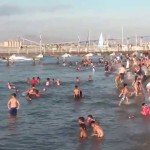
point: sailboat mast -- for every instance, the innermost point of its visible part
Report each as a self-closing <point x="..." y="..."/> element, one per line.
<point x="122" y="30"/>
<point x="40" y="44"/>
<point x="89" y="40"/>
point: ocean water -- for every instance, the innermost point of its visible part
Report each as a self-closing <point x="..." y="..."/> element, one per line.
<point x="50" y="122"/>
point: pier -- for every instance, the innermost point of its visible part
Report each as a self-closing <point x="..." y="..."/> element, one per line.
<point x="28" y="47"/>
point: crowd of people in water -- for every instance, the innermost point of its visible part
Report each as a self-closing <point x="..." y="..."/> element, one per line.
<point x="127" y="65"/>
<point x="139" y="68"/>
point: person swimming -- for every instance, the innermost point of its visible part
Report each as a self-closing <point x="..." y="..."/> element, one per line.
<point x="81" y="120"/>
<point x="89" y="119"/>
<point x="124" y="93"/>
<point x="13" y="105"/>
<point x="47" y="84"/>
<point x="106" y="67"/>
<point x="12" y="87"/>
<point x="32" y="92"/>
<point x="77" y="92"/>
<point x="77" y="80"/>
<point x="148" y="88"/>
<point x="82" y="125"/>
<point x="90" y="78"/>
<point x="34" y="81"/>
<point x="38" y="80"/>
<point x="93" y="68"/>
<point x="145" y="110"/>
<point x="97" y="130"/>
<point x="83" y="131"/>
<point x="57" y="82"/>
<point x="28" y="80"/>
<point x="118" y="81"/>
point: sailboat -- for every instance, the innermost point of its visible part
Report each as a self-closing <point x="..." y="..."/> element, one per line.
<point x="101" y="42"/>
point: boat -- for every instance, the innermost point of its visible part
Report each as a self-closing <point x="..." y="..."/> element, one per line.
<point x="19" y="58"/>
<point x="40" y="56"/>
<point x="101" y="42"/>
<point x="13" y="58"/>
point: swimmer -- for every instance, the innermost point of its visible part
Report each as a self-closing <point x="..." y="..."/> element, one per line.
<point x="13" y="105"/>
<point x="148" y="88"/>
<point x="57" y="82"/>
<point x="38" y="80"/>
<point x="145" y="110"/>
<point x="90" y="78"/>
<point x="137" y="85"/>
<point x="81" y="120"/>
<point x="124" y="93"/>
<point x="77" y="80"/>
<point x="32" y="91"/>
<point x="76" y="92"/>
<point x="28" y="81"/>
<point x="11" y="87"/>
<point x="97" y="130"/>
<point x="89" y="119"/>
<point x="122" y="71"/>
<point x="53" y="81"/>
<point x="83" y="131"/>
<point x="131" y="117"/>
<point x="34" y="81"/>
<point x="93" y="68"/>
<point x="118" y="81"/>
<point x="106" y="67"/>
<point x="47" y="82"/>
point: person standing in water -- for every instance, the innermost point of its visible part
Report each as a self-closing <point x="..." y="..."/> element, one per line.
<point x="83" y="129"/>
<point x="124" y="93"/>
<point x="13" y="105"/>
<point x="77" y="80"/>
<point x="90" y="78"/>
<point x="48" y="82"/>
<point x="77" y="92"/>
<point x="97" y="130"/>
<point x="122" y="71"/>
<point x="118" y="81"/>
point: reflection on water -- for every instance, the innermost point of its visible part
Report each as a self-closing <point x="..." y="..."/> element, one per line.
<point x="96" y="144"/>
<point x="12" y="124"/>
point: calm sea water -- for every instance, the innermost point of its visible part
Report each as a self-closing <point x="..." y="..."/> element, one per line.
<point x="50" y="122"/>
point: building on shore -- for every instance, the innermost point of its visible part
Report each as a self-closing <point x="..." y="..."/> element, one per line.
<point x="12" y="43"/>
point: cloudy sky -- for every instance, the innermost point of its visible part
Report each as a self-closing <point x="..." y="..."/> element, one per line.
<point x="64" y="20"/>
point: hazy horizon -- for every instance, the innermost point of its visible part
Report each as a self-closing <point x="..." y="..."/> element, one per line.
<point x="65" y="20"/>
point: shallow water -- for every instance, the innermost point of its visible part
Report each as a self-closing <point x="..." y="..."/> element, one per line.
<point x="50" y="122"/>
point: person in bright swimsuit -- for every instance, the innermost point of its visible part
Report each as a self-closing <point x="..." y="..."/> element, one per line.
<point x="32" y="92"/>
<point x="34" y="81"/>
<point x="145" y="111"/>
<point x="13" y="105"/>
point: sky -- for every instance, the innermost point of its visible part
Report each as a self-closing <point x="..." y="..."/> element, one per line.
<point x="65" y="20"/>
